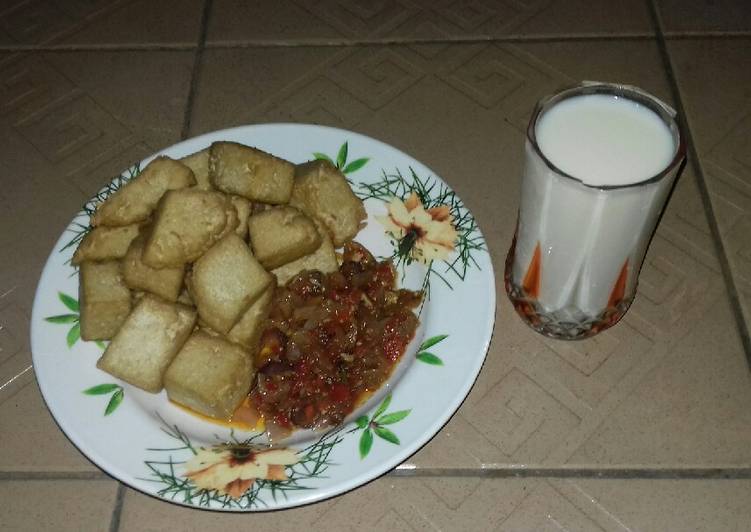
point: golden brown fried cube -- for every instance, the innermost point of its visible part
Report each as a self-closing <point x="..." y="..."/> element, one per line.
<point x="250" y="173"/>
<point x="243" y="207"/>
<point x="105" y="243"/>
<point x="225" y="281"/>
<point x="198" y="162"/>
<point x="186" y="224"/>
<point x="137" y="199"/>
<point x="210" y="375"/>
<point x="164" y="282"/>
<point x="147" y="342"/>
<point x="321" y="191"/>
<point x="281" y="235"/>
<point x="322" y="259"/>
<point x="248" y="330"/>
<point x="104" y="300"/>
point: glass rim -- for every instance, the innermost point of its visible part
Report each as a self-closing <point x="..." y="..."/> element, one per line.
<point x="666" y="113"/>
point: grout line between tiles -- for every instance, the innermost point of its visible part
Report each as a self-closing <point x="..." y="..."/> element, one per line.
<point x="591" y="473"/>
<point x="118" y="508"/>
<point x="701" y="181"/>
<point x="345" y="43"/>
<point x="196" y="71"/>
<point x="687" y="473"/>
<point x="333" y="43"/>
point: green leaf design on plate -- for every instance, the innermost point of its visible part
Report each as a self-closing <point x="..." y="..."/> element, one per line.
<point x="429" y="358"/>
<point x="341" y="158"/>
<point x="383" y="406"/>
<point x="323" y="157"/>
<point x="366" y="442"/>
<point x="362" y="422"/>
<point x="377" y="424"/>
<point x="102" y="389"/>
<point x="68" y="301"/>
<point x="430" y="342"/>
<point x="74" y="334"/>
<point x="393" y="417"/>
<point x="355" y="165"/>
<point x="115" y="401"/>
<point x="63" y="318"/>
<point x="386" y="434"/>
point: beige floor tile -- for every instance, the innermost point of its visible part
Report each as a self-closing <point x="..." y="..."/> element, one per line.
<point x="502" y="504"/>
<point x="144" y="91"/>
<point x="57" y="505"/>
<point x="690" y="409"/>
<point x="234" y="21"/>
<point x="101" y="22"/>
<point x="69" y="123"/>
<point x="695" y="16"/>
<point x="36" y="443"/>
<point x="718" y="109"/>
<point x="662" y="505"/>
<point x="384" y="504"/>
<point x="462" y="109"/>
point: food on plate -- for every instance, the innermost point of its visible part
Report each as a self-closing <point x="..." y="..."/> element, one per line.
<point x="322" y="259"/>
<point x="186" y="224"/>
<point x="244" y="208"/>
<point x="250" y="173"/>
<point x="136" y="200"/>
<point x="247" y="331"/>
<point x="227" y="263"/>
<point x="330" y="340"/>
<point x="164" y="282"/>
<point x="210" y="375"/>
<point x="105" y="243"/>
<point x="225" y="281"/>
<point x="198" y="162"/>
<point x="104" y="300"/>
<point x="281" y="235"/>
<point x="147" y="342"/>
<point x="321" y="191"/>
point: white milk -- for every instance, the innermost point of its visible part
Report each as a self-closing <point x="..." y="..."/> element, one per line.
<point x="605" y="140"/>
<point x="587" y="235"/>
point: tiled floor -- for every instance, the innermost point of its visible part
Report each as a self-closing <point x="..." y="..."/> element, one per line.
<point x="645" y="427"/>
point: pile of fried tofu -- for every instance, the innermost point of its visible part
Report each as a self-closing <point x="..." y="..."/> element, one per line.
<point x="181" y="263"/>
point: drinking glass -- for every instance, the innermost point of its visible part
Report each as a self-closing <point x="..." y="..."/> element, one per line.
<point x="573" y="265"/>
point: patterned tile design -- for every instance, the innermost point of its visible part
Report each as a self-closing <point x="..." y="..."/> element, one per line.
<point x="719" y="113"/>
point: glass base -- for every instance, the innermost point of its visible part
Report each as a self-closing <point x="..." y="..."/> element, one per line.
<point x="568" y="323"/>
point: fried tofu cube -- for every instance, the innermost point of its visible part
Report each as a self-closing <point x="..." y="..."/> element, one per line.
<point x="321" y="191"/>
<point x="105" y="243"/>
<point x="225" y="281"/>
<point x="136" y="200"/>
<point x="186" y="224"/>
<point x="104" y="300"/>
<point x="243" y="207"/>
<point x="322" y="259"/>
<point x="147" y="342"/>
<point x="248" y="330"/>
<point x="164" y="282"/>
<point x="250" y="173"/>
<point x="210" y="375"/>
<point x="198" y="162"/>
<point x="281" y="235"/>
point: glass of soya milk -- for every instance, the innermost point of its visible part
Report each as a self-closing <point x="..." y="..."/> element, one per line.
<point x="600" y="162"/>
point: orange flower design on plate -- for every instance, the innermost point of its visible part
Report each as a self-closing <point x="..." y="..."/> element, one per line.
<point x="232" y="469"/>
<point x="423" y="234"/>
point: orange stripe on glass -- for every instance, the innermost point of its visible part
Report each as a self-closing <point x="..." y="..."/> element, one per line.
<point x="531" y="283"/>
<point x="619" y="288"/>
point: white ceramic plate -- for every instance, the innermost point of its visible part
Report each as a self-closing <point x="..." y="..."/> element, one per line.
<point x="153" y="446"/>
